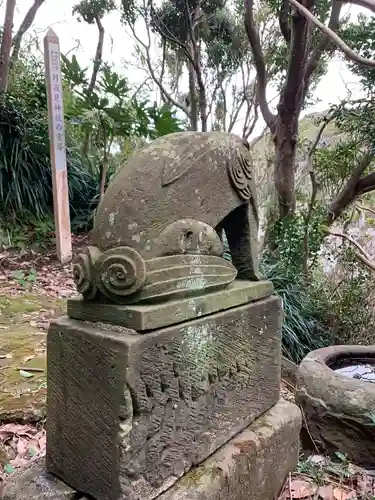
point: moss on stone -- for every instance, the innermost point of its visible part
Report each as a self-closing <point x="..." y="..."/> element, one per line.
<point x="22" y="398"/>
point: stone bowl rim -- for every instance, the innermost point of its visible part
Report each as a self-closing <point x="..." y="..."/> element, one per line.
<point x="324" y="358"/>
<point x="328" y="396"/>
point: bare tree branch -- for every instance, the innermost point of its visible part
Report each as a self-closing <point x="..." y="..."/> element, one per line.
<point x="314" y="194"/>
<point x="154" y="76"/>
<point x="315" y="144"/>
<point x="164" y="45"/>
<point x="333" y="37"/>
<point x="361" y="255"/>
<point x="366" y="184"/>
<point x="250" y="125"/>
<point x="193" y="22"/>
<point x="191" y="49"/>
<point x="98" y="55"/>
<point x="139" y="88"/>
<point x="367" y="209"/>
<point x="213" y="98"/>
<point x="166" y="33"/>
<point x="25" y="25"/>
<point x="323" y="45"/>
<point x="260" y="65"/>
<point x="247" y="88"/>
<point x="259" y="137"/>
<point x="355" y="186"/>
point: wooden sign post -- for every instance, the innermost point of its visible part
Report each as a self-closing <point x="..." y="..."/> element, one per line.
<point x="57" y="147"/>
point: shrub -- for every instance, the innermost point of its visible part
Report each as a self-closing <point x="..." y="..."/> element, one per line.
<point x="304" y="328"/>
<point x="25" y="169"/>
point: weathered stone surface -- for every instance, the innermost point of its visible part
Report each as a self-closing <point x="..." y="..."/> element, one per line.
<point x="173" y="199"/>
<point x="33" y="483"/>
<point x="336" y="407"/>
<point x="252" y="466"/>
<point x="120" y="275"/>
<point x="129" y="414"/>
<point x="188" y="175"/>
<point x="289" y="371"/>
<point x="153" y="316"/>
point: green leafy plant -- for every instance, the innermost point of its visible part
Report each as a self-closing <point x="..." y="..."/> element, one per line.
<point x="25" y="279"/>
<point x="108" y="113"/>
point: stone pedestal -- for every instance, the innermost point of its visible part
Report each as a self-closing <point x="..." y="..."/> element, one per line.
<point x="130" y="413"/>
<point x="251" y="466"/>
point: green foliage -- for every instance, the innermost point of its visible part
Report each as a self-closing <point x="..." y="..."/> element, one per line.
<point x="334" y="165"/>
<point x="26" y="279"/>
<point x="288" y="237"/>
<point x="220" y="28"/>
<point x="355" y="117"/>
<point x="284" y="264"/>
<point x="359" y="36"/>
<point x="303" y="328"/>
<point x="348" y="295"/>
<point x="25" y="172"/>
<point x="108" y="114"/>
<point x="89" y="10"/>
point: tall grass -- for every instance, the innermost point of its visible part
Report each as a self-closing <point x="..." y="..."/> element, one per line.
<point x="25" y="168"/>
<point x="304" y="328"/>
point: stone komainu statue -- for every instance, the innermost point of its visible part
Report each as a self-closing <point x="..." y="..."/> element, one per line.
<point x="157" y="231"/>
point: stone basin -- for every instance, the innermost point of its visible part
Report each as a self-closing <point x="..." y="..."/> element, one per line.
<point x="336" y="391"/>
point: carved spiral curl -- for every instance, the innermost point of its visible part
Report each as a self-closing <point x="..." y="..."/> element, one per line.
<point x="246" y="167"/>
<point x="82" y="272"/>
<point x="120" y="272"/>
<point x="240" y="175"/>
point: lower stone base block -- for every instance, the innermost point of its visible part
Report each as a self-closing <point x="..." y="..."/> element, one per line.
<point x="252" y="466"/>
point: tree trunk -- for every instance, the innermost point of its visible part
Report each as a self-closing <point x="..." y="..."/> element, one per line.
<point x="203" y="108"/>
<point x="193" y="98"/>
<point x="103" y="179"/>
<point x="195" y="51"/>
<point x="6" y="44"/>
<point x="98" y="55"/>
<point x="201" y="93"/>
<point x="94" y="76"/>
<point x="25" y="25"/>
<point x="285" y="149"/>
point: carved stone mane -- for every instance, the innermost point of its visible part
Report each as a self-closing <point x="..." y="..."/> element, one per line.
<point x="157" y="230"/>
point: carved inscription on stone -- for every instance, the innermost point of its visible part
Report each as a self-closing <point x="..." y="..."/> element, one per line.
<point x="158" y="403"/>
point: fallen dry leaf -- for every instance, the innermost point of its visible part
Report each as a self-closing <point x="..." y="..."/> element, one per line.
<point x="300" y="488"/>
<point x="342" y="494"/>
<point x="23" y="444"/>
<point x="326" y="492"/>
<point x="6" y="356"/>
